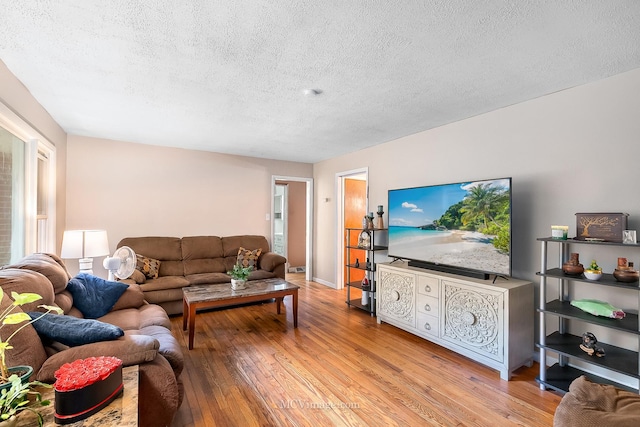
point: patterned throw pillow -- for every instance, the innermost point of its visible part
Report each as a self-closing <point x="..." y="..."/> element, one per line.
<point x="148" y="266"/>
<point x="248" y="258"/>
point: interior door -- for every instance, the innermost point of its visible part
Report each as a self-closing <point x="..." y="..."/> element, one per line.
<point x="355" y="208"/>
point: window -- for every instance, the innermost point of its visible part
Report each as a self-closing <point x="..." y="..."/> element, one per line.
<point x="43" y="203"/>
<point x="12" y="181"/>
<point x="27" y="189"/>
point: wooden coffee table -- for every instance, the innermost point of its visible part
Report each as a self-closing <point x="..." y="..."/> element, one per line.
<point x="220" y="295"/>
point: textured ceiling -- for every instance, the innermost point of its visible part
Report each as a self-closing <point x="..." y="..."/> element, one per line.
<point x="229" y="76"/>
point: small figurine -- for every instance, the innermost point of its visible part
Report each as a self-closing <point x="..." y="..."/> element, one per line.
<point x="589" y="346"/>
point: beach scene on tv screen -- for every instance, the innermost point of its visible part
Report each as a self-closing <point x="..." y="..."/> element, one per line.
<point x="464" y="225"/>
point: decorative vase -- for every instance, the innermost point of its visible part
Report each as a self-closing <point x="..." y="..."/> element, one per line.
<point x="237" y="284"/>
<point x="370" y="222"/>
<point x="366" y="287"/>
<point x="626" y="276"/>
<point x="380" y="213"/>
<point x="24" y="372"/>
<point x="573" y="266"/>
<point x="625" y="272"/>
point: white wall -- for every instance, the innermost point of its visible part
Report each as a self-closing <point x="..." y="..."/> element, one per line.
<point x="15" y="96"/>
<point x="141" y="190"/>
<point x="568" y="152"/>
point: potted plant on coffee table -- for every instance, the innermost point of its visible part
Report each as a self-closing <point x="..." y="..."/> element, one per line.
<point x="20" y="396"/>
<point x="239" y="276"/>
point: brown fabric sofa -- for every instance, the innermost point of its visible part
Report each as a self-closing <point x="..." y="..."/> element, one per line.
<point x="147" y="341"/>
<point x="197" y="260"/>
<point x="591" y="404"/>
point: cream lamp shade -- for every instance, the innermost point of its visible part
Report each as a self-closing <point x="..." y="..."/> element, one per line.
<point x="84" y="245"/>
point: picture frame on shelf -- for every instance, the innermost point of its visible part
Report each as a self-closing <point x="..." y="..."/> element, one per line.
<point x="629" y="237"/>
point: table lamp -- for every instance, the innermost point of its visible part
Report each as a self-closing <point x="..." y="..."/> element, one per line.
<point x="84" y="245"/>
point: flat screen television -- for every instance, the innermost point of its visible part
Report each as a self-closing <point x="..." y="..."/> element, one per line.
<point x="462" y="228"/>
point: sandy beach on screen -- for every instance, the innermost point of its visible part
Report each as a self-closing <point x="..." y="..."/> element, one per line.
<point x="463" y="248"/>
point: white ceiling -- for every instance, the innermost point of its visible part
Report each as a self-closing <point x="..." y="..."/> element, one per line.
<point x="229" y="76"/>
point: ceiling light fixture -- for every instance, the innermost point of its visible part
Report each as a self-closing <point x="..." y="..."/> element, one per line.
<point x="312" y="92"/>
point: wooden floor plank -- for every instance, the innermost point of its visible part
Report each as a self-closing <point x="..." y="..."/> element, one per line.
<point x="250" y="367"/>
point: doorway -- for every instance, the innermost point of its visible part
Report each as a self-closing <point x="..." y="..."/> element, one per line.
<point x="281" y="221"/>
<point x="352" y="195"/>
<point x="291" y="221"/>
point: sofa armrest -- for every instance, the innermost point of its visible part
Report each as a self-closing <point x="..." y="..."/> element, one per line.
<point x="270" y="261"/>
<point x="133" y="297"/>
<point x="131" y="349"/>
<point x="137" y="277"/>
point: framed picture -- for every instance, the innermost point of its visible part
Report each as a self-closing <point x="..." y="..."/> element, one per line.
<point x="629" y="236"/>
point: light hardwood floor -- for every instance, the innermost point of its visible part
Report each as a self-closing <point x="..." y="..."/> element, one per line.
<point x="250" y="367"/>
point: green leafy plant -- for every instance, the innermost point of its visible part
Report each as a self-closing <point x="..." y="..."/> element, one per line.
<point x="7" y="317"/>
<point x="21" y="397"/>
<point x="239" y="272"/>
<point x="594" y="267"/>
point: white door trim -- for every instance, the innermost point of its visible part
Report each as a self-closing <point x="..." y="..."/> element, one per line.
<point x="340" y="177"/>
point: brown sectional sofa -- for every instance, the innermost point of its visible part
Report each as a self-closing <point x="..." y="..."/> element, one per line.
<point x="147" y="341"/>
<point x="197" y="260"/>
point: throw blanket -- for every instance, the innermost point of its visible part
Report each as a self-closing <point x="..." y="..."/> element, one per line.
<point x="599" y="405"/>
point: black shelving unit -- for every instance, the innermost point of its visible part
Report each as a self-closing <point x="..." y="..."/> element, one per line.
<point x="369" y="252"/>
<point x="567" y="346"/>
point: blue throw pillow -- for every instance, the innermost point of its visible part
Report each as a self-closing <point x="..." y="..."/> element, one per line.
<point x="72" y="331"/>
<point x="93" y="296"/>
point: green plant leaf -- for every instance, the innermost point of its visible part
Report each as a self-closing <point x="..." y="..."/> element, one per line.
<point x="51" y="308"/>
<point x="24" y="298"/>
<point x="15" y="318"/>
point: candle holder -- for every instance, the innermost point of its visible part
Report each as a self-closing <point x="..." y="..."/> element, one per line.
<point x="380" y="223"/>
<point x="370" y="221"/>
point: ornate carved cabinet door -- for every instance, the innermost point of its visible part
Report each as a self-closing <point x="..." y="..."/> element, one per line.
<point x="472" y="317"/>
<point x="396" y="297"/>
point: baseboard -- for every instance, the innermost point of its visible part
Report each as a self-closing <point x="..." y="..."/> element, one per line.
<point x="325" y="283"/>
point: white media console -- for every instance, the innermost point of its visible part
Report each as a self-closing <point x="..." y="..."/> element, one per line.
<point x="491" y="323"/>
